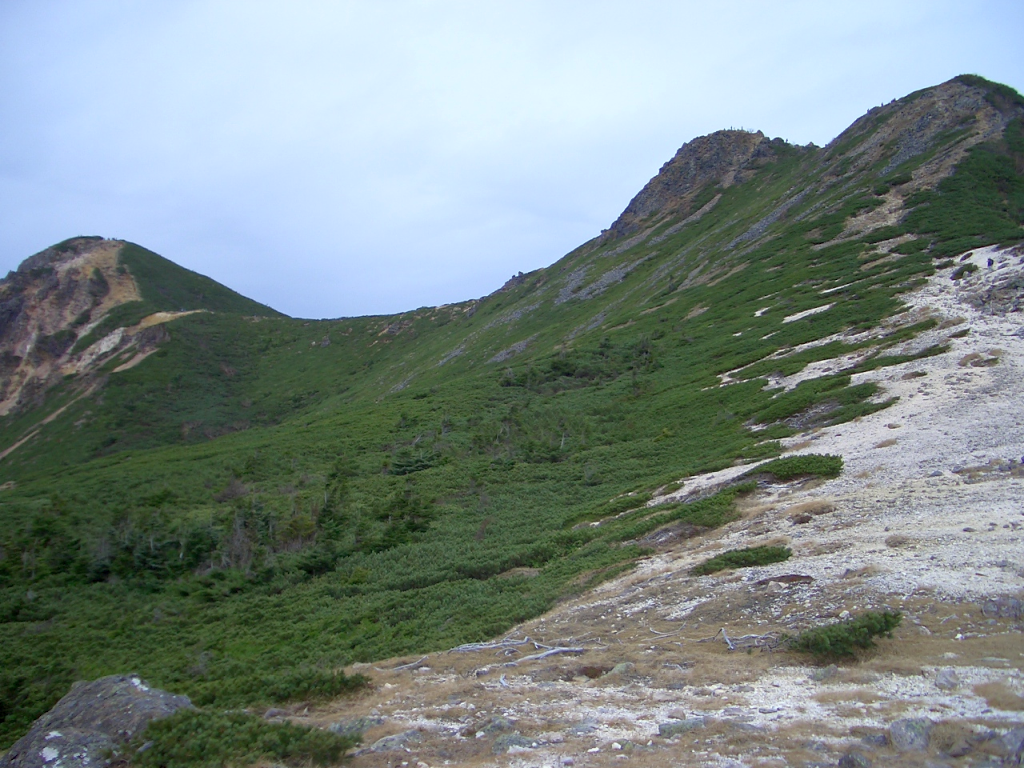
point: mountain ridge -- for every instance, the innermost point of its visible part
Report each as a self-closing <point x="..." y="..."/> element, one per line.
<point x="413" y="482"/>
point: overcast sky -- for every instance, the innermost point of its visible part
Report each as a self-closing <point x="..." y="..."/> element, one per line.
<point x="347" y="158"/>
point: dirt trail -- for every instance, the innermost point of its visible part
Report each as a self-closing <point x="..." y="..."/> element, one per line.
<point x="925" y="519"/>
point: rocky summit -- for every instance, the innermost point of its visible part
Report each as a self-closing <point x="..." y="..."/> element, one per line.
<point x="739" y="482"/>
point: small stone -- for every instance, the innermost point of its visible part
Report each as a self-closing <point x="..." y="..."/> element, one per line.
<point x="910" y="734"/>
<point x="567" y="761"/>
<point x="947" y="679"/>
<point x="273" y="712"/>
<point x="855" y="759"/>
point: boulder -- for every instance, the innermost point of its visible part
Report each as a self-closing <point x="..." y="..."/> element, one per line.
<point x="910" y="734"/>
<point x="677" y="727"/>
<point x="397" y="742"/>
<point x="91" y="721"/>
<point x="947" y="679"/>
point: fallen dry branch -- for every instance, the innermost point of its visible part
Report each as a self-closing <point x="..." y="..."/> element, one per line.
<point x="500" y="645"/>
<point x="545" y="654"/>
<point x="400" y="667"/>
<point x="768" y="642"/>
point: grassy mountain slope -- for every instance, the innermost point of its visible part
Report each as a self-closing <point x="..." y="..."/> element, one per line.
<point x="262" y="500"/>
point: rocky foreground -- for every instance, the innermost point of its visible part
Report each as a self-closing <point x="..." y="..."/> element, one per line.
<point x="659" y="667"/>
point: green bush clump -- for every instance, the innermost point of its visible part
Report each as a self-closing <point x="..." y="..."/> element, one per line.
<point x="843" y="638"/>
<point x="742" y="558"/>
<point x="963" y="270"/>
<point x="191" y="738"/>
<point x="292" y="684"/>
<point x="799" y="466"/>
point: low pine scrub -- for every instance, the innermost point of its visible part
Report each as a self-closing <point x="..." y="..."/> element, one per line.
<point x="742" y="558"/>
<point x="195" y="739"/>
<point x="843" y="639"/>
<point x="810" y="465"/>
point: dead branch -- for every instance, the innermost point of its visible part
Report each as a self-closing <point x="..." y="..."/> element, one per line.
<point x="545" y="654"/>
<point x="665" y="634"/>
<point x="768" y="642"/>
<point x="500" y="645"/>
<point x="403" y="666"/>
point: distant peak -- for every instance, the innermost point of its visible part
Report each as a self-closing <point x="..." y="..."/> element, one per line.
<point x="720" y="159"/>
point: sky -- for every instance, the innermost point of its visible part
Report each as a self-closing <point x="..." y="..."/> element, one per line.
<point x="348" y="158"/>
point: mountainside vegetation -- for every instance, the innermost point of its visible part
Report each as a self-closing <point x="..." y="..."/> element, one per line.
<point x="259" y="501"/>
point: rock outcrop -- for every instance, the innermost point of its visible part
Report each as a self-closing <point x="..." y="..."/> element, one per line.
<point x="720" y="159"/>
<point x="91" y="722"/>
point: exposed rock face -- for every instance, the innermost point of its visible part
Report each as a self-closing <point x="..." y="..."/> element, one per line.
<point x="722" y="158"/>
<point x="90" y="721"/>
<point x="912" y="125"/>
<point x="55" y="297"/>
<point x="888" y="135"/>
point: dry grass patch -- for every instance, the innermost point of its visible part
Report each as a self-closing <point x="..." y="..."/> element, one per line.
<point x="1000" y="696"/>
<point x="813" y="507"/>
<point x="861" y="695"/>
<point x="864" y="572"/>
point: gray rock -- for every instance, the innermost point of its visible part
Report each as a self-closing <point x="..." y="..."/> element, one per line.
<point x="947" y="679"/>
<point x="1010" y="745"/>
<point x="1003" y="607"/>
<point x="91" y="721"/>
<point x="875" y="739"/>
<point x="855" y="759"/>
<point x="273" y="712"/>
<point x="676" y="727"/>
<point x="625" y="668"/>
<point x="508" y="741"/>
<point x="910" y="734"/>
<point x="397" y="741"/>
<point x="825" y="673"/>
<point x="355" y="727"/>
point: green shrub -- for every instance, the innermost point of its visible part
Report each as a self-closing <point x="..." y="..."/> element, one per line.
<point x="963" y="270"/>
<point x="843" y="638"/>
<point x="811" y="464"/>
<point x="742" y="558"/>
<point x="191" y="738"/>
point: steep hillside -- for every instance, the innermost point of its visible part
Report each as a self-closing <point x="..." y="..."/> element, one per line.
<point x="72" y="309"/>
<point x="239" y="504"/>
